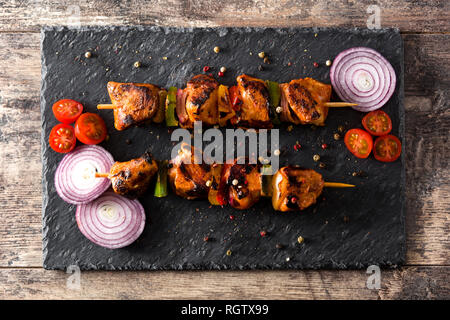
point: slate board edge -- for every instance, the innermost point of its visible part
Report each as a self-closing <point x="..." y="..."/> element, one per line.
<point x="212" y="265"/>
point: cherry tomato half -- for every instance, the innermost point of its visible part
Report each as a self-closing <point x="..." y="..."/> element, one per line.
<point x="387" y="148"/>
<point x="377" y="123"/>
<point x="359" y="142"/>
<point x="62" y="138"/>
<point x="67" y="110"/>
<point x="90" y="128"/>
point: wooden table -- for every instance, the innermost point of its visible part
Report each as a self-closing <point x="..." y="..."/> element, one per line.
<point x="425" y="28"/>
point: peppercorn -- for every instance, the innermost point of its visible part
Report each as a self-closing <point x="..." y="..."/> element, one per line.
<point x="220" y="74"/>
<point x="88" y="54"/>
<point x="228" y="252"/>
<point x="261" y="54"/>
<point x="328" y="63"/>
<point x="300" y="239"/>
<point x="260" y="68"/>
<point x="315" y="64"/>
<point x="324" y="146"/>
<point x="276" y="152"/>
<point x="137" y="64"/>
<point x="223" y="69"/>
<point x="316" y="157"/>
<point x="341" y="129"/>
<point x="266" y="60"/>
<point x="279" y="109"/>
<point x="337" y="136"/>
<point x="206" y="68"/>
<point x="216" y="49"/>
<point x="231" y="217"/>
<point x="322" y="165"/>
<point x="279" y="246"/>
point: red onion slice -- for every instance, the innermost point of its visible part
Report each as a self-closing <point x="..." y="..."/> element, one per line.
<point x="75" y="180"/>
<point x="363" y="76"/>
<point x="111" y="221"/>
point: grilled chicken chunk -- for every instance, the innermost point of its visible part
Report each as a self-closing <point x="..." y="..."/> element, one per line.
<point x="134" y="103"/>
<point x="243" y="185"/>
<point x="295" y="188"/>
<point x="201" y="101"/>
<point x="132" y="178"/>
<point x="254" y="109"/>
<point x="189" y="180"/>
<point x="302" y="101"/>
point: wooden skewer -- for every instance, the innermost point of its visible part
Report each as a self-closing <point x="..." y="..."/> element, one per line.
<point x="101" y="175"/>
<point x="338" y="185"/>
<point x="105" y="106"/>
<point x="339" y="104"/>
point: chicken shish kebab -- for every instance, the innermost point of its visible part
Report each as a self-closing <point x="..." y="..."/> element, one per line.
<point x="252" y="103"/>
<point x="240" y="185"/>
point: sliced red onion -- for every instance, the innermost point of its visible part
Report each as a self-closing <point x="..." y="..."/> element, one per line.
<point x="181" y="106"/>
<point x="75" y="179"/>
<point x="111" y="221"/>
<point x="363" y="76"/>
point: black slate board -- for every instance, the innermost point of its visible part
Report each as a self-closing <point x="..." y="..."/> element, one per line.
<point x="351" y="228"/>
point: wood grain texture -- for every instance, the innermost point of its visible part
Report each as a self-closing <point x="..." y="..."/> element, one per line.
<point x="17" y="15"/>
<point x="406" y="283"/>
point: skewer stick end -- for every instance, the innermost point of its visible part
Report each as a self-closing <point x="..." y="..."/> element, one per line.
<point x="338" y="185"/>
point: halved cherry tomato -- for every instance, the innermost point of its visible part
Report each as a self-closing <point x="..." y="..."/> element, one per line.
<point x="377" y="123"/>
<point x="90" y="128"/>
<point x="359" y="142"/>
<point x="67" y="110"/>
<point x="62" y="138"/>
<point x="235" y="97"/>
<point x="387" y="148"/>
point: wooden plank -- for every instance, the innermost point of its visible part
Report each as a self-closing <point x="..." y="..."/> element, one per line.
<point x="427" y="150"/>
<point x="407" y="15"/>
<point x="407" y="283"/>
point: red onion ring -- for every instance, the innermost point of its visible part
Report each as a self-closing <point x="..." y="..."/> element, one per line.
<point x="363" y="76"/>
<point x="111" y="221"/>
<point x="75" y="180"/>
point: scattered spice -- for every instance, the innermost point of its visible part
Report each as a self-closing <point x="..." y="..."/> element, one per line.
<point x="235" y="182"/>
<point x="315" y="64"/>
<point x="337" y="136"/>
<point x="228" y="252"/>
<point x="341" y="129"/>
<point x="88" y="54"/>
<point x="278" y="109"/>
<point x="231" y="217"/>
<point x="279" y="246"/>
<point x="263" y="233"/>
<point x="328" y="63"/>
<point x="276" y="152"/>
<point x="288" y="259"/>
<point x="297" y="146"/>
<point x="289" y="64"/>
<point x="290" y="128"/>
<point x="300" y="239"/>
<point x="128" y="141"/>
<point x="346" y="219"/>
<point x="208" y="183"/>
<point x="164" y="58"/>
<point x="322" y="165"/>
<point x="260" y="68"/>
<point x="220" y="74"/>
<point x="223" y="69"/>
<point x="262" y="54"/>
<point x="216" y="49"/>
<point x="206" y="239"/>
<point x="266" y="60"/>
<point x="316" y="157"/>
<point x="137" y="64"/>
<point x="206" y="68"/>
<point x="324" y="146"/>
